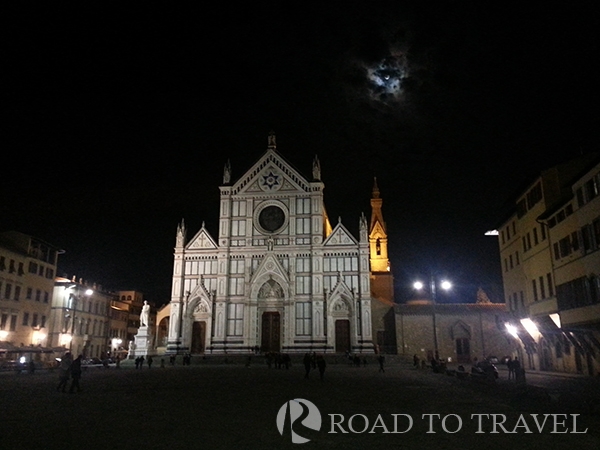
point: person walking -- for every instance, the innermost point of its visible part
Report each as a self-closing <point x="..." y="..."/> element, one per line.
<point x="321" y="364"/>
<point x="416" y="361"/>
<point x="510" y="364"/>
<point x="75" y="374"/>
<point x="381" y="361"/>
<point x="149" y="361"/>
<point x="64" y="371"/>
<point x="307" y="364"/>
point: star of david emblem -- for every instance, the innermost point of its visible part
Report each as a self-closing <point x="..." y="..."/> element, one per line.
<point x="270" y="180"/>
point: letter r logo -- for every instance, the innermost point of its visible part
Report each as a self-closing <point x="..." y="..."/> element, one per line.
<point x="298" y="408"/>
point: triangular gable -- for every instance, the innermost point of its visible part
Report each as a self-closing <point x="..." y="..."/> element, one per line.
<point x="269" y="267"/>
<point x="202" y="240"/>
<point x="340" y="236"/>
<point x="341" y="296"/>
<point x="271" y="173"/>
<point x="377" y="231"/>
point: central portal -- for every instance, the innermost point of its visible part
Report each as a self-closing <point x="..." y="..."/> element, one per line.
<point x="271" y="332"/>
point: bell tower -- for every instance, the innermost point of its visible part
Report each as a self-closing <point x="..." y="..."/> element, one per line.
<point x="382" y="280"/>
<point x="377" y="235"/>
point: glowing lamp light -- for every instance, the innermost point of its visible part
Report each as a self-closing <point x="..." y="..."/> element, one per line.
<point x="446" y="285"/>
<point x="89" y="292"/>
<point x="38" y="337"/>
<point x="3" y="335"/>
<point x="511" y="329"/>
<point x="531" y="328"/>
<point x="22" y="360"/>
<point x="418" y="285"/>
<point x="556" y="319"/>
<point x="65" y="339"/>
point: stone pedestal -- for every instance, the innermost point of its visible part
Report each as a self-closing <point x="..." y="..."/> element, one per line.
<point x="143" y="344"/>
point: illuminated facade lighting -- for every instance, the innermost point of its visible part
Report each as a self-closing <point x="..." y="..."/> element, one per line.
<point x="511" y="329"/>
<point x="531" y="328"/>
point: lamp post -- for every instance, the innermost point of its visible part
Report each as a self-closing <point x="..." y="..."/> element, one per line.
<point x="445" y="285"/>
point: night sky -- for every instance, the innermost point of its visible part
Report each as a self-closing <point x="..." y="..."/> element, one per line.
<point x="121" y="118"/>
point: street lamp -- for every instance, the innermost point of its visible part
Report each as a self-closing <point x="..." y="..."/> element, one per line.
<point x="445" y="285"/>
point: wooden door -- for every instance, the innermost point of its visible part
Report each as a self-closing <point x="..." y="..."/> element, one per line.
<point x="342" y="336"/>
<point x="198" y="337"/>
<point x="271" y="332"/>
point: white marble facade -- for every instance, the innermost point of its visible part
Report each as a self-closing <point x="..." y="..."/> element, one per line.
<point x="277" y="276"/>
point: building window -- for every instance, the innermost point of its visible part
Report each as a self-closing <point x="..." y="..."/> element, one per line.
<point x="29" y="294"/>
<point x="522" y="298"/>
<point x="565" y="246"/>
<point x="303" y="206"/>
<point x="34" y="320"/>
<point x="550" y="287"/>
<point x="542" y="288"/>
<point x="236" y="266"/>
<point x="17" y="293"/>
<point x="235" y="319"/>
<point x="586" y="238"/>
<point x="302" y="285"/>
<point x="535" y="292"/>
<point x="574" y="241"/>
<point x="302" y="265"/>
<point x="236" y="286"/>
<point x="303" y="226"/>
<point x="25" y="319"/>
<point x="238" y="227"/>
<point x="238" y="208"/>
<point x="38" y="295"/>
<point x="303" y="319"/>
<point x="7" y="290"/>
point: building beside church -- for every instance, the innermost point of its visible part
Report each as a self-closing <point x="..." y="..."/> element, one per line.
<point x="27" y="270"/>
<point x="277" y="276"/>
<point x="550" y="254"/>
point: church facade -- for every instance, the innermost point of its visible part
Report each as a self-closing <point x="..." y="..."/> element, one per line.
<point x="277" y="276"/>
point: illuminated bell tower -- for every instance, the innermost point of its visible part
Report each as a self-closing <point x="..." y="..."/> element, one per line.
<point x="377" y="235"/>
<point x="382" y="280"/>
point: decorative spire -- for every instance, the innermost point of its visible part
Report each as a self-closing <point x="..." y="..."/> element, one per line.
<point x="363" y="228"/>
<point x="181" y="232"/>
<point x="272" y="144"/>
<point x="316" y="169"/>
<point x="375" y="188"/>
<point x="227" y="173"/>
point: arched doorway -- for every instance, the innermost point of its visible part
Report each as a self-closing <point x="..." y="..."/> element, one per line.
<point x="342" y="336"/>
<point x="162" y="334"/>
<point x="270" y="295"/>
<point x="271" y="332"/>
<point x="198" y="337"/>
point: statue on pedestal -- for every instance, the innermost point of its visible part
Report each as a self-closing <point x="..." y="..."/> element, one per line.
<point x="145" y="315"/>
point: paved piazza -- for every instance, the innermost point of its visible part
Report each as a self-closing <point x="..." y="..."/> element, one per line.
<point x="214" y="405"/>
